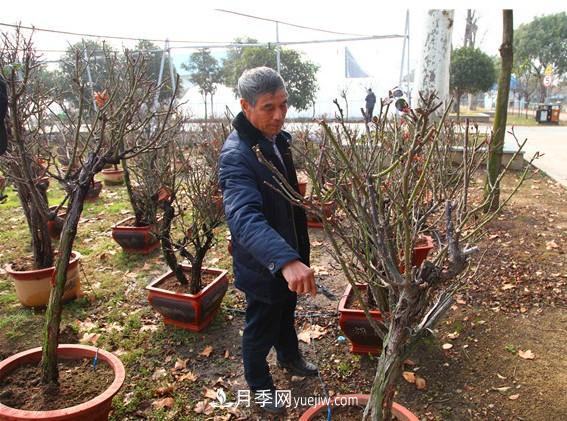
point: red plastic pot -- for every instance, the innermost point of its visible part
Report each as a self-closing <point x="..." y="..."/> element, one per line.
<point x="96" y="409"/>
<point x="401" y="413"/>
<point x="302" y="187"/>
<point x="192" y="312"/>
<point x="133" y="239"/>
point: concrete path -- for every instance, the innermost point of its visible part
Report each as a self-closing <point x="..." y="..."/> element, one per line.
<point x="551" y="141"/>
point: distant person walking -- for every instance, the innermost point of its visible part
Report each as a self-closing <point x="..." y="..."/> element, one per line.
<point x="370" y="102"/>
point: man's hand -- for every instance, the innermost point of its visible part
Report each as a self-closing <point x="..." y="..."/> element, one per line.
<point x="300" y="278"/>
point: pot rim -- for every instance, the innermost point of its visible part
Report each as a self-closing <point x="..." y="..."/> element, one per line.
<point x="362" y="399"/>
<point x="185" y="267"/>
<point x="67" y="349"/>
<point x="75" y="256"/>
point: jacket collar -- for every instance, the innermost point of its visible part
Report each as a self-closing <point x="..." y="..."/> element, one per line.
<point x="253" y="136"/>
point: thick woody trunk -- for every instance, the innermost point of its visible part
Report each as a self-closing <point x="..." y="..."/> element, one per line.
<point x="496" y="145"/>
<point x="433" y="69"/>
<point x="49" y="372"/>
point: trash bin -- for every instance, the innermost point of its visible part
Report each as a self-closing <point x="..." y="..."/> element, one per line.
<point x="548" y="113"/>
<point x="555" y="112"/>
<point x="543" y="113"/>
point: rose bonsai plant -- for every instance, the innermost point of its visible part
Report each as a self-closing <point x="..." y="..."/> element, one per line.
<point x="189" y="295"/>
<point x="113" y="117"/>
<point x="395" y="183"/>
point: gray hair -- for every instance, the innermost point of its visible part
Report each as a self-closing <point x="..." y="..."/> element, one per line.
<point x="258" y="81"/>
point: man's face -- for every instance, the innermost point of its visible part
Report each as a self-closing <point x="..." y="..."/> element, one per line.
<point x="268" y="114"/>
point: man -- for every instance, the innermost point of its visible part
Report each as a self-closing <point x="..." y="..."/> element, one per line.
<point x="370" y="102"/>
<point x="270" y="242"/>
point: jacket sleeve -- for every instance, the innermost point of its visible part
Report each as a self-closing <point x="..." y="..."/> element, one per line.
<point x="243" y="210"/>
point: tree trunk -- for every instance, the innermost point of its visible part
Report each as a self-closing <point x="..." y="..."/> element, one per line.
<point x="496" y="145"/>
<point x="379" y="406"/>
<point x="212" y="107"/>
<point x="205" y="97"/>
<point x="196" y="272"/>
<point x="167" y="245"/>
<point x="49" y="371"/>
<point x="433" y="70"/>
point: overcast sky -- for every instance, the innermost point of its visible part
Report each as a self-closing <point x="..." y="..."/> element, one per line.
<point x="198" y="21"/>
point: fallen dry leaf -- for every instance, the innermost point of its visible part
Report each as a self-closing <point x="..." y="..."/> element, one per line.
<point x="453" y="335"/>
<point x="447" y="346"/>
<point x="180" y="364"/>
<point x="526" y="355"/>
<point x="188" y="376"/>
<point x="550" y="245"/>
<point x="159" y="373"/>
<point x="226" y="354"/>
<point x="501" y="389"/>
<point x="210" y="393"/>
<point x="163" y="403"/>
<point x="207" y="351"/>
<point x="409" y="376"/>
<point x="91" y="338"/>
<point x="407" y="361"/>
<point x="311" y="332"/>
<point x="420" y="383"/>
<point x="203" y="407"/>
<point x="513" y="397"/>
<point x="165" y="390"/>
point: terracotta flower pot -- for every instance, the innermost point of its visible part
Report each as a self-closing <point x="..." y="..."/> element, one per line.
<point x="302" y="187"/>
<point x="188" y="311"/>
<point x="420" y="251"/>
<point x="94" y="191"/>
<point x="313" y="221"/>
<point x="96" y="409"/>
<point x="34" y="286"/>
<point x="55" y="225"/>
<point x="139" y="240"/>
<point x="113" y="177"/>
<point x="401" y="413"/>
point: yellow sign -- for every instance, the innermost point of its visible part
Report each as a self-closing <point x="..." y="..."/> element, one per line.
<point x="548" y="70"/>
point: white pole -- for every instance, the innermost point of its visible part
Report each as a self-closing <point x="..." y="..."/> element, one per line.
<point x="89" y="76"/>
<point x="160" y="76"/>
<point x="278" y="64"/>
<point x="433" y="70"/>
<point x="171" y="68"/>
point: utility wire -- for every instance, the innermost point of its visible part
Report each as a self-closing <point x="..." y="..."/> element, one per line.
<point x="87" y="35"/>
<point x="290" y="24"/>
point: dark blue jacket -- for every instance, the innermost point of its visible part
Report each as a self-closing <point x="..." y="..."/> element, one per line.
<point x="266" y="230"/>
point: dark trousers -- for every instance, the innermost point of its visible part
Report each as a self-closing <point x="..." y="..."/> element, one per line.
<point x="369" y="111"/>
<point x="267" y="326"/>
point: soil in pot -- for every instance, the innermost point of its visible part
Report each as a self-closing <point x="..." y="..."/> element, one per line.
<point x="78" y="382"/>
<point x="172" y="284"/>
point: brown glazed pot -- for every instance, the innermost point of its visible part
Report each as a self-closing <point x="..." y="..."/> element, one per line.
<point x="132" y="239"/>
<point x="192" y="312"/>
<point x="94" y="191"/>
<point x="34" y="286"/>
<point x="55" y="225"/>
<point x="96" y="409"/>
<point x="112" y="177"/>
<point x="356" y="327"/>
<point x="400" y="412"/>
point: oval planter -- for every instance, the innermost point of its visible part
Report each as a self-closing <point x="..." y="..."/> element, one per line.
<point x="34" y="286"/>
<point x="113" y="177"/>
<point x="133" y="239"/>
<point x="55" y="225"/>
<point x="400" y="412"/>
<point x="94" y="191"/>
<point x="192" y="312"/>
<point x="96" y="409"/>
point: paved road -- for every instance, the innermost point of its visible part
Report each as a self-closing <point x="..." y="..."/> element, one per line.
<point x="548" y="140"/>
